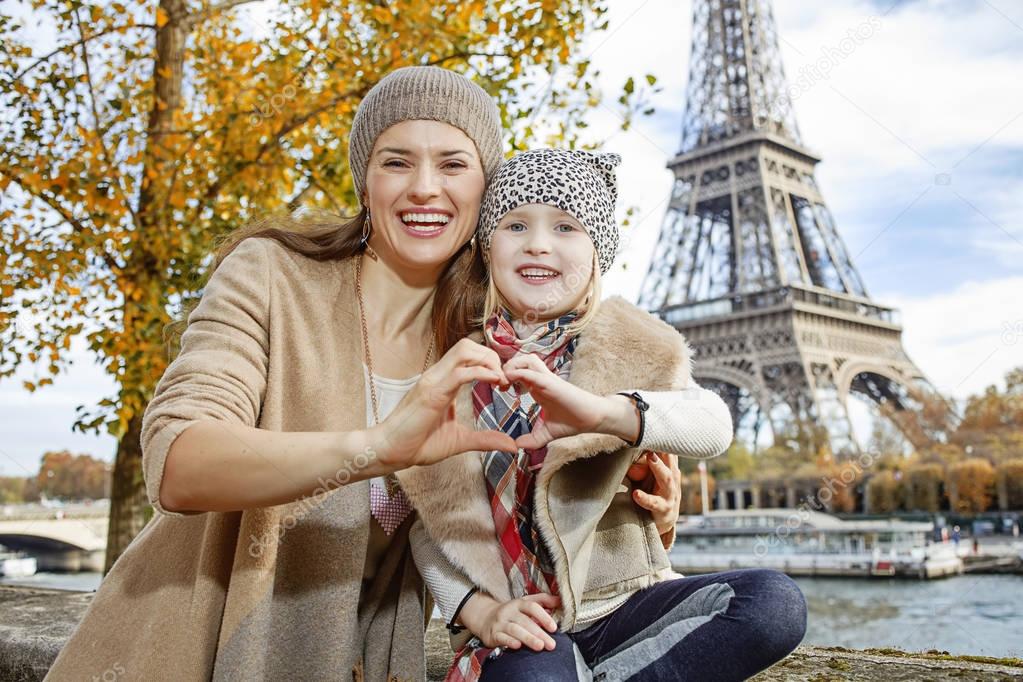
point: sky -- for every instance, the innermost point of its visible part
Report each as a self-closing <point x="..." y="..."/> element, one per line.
<point x="920" y="129"/>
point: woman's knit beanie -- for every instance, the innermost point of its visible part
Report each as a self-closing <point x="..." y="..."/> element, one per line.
<point x="424" y="93"/>
<point x="580" y="183"/>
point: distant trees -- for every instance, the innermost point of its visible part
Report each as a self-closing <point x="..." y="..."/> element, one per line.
<point x="73" y="477"/>
<point x="61" y="475"/>
<point x="976" y="465"/>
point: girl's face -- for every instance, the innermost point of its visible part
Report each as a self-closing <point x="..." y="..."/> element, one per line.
<point x="541" y="261"/>
<point x="424" y="185"/>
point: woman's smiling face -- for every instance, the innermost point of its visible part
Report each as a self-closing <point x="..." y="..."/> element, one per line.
<point x="424" y="185"/>
<point x="541" y="261"/>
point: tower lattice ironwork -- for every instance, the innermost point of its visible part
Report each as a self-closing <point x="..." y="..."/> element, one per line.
<point x="750" y="265"/>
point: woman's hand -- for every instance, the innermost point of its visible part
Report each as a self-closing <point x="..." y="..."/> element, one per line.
<point x="512" y="624"/>
<point x="422" y="428"/>
<point x="658" y="488"/>
<point x="568" y="409"/>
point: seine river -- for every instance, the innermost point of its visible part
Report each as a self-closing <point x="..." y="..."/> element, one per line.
<point x="970" y="614"/>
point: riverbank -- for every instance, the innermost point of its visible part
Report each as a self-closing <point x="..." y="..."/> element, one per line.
<point x="28" y="646"/>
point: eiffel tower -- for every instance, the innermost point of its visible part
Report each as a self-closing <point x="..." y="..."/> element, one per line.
<point x="749" y="264"/>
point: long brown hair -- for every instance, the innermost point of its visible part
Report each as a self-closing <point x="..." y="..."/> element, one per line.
<point x="325" y="236"/>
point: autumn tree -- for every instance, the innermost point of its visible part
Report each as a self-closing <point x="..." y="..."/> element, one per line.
<point x="149" y="129"/>
<point x="885" y="492"/>
<point x="73" y="477"/>
<point x="971" y="485"/>
<point x="923" y="486"/>
<point x="1009" y="479"/>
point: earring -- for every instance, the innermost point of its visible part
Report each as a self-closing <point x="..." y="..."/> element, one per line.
<point x="367" y="227"/>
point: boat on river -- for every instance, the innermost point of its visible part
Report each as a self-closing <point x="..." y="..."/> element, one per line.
<point x="16" y="565"/>
<point x="803" y="542"/>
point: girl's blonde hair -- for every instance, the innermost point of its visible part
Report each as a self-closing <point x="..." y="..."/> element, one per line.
<point x="587" y="310"/>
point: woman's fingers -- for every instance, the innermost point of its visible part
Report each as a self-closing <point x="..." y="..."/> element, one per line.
<point x="468" y="353"/>
<point x="486" y="441"/>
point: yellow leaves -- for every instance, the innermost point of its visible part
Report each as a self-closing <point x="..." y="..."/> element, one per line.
<point x="29" y="386"/>
<point x="161" y="17"/>
<point x="382" y="14"/>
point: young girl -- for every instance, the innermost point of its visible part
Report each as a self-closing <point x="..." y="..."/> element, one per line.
<point x="551" y="529"/>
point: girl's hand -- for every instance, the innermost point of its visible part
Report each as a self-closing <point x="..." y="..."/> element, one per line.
<point x="567" y="409"/>
<point x="512" y="624"/>
<point x="422" y="428"/>
<point x="659" y="474"/>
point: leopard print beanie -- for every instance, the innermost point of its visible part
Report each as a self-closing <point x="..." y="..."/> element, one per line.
<point x="580" y="183"/>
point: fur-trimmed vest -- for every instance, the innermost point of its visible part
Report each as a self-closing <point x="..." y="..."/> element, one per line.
<point x="602" y="544"/>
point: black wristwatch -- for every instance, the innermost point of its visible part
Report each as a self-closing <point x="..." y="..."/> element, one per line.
<point x="642" y="406"/>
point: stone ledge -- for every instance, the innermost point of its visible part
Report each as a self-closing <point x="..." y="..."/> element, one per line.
<point x="35" y="623"/>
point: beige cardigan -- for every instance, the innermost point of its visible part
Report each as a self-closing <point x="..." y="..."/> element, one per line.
<point x="267" y="593"/>
<point x="604" y="547"/>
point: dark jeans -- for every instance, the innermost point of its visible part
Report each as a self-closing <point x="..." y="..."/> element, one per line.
<point x="722" y="626"/>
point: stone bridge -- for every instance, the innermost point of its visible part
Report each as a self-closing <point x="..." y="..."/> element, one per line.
<point x="73" y="539"/>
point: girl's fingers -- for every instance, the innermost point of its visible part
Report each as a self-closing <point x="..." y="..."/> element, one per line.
<point x="465" y="375"/>
<point x="530" y="378"/>
<point x="520" y="633"/>
<point x="662" y="472"/>
<point x="535" y="630"/>
<point x="539" y="615"/>
<point x="531" y="441"/>
<point x="507" y="640"/>
<point x="653" y="503"/>
<point x="548" y="601"/>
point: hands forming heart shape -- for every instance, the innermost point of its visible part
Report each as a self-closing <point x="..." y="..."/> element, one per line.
<point x="423" y="429"/>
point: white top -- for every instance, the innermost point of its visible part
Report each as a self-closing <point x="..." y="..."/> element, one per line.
<point x="446" y="582"/>
<point x="389" y="394"/>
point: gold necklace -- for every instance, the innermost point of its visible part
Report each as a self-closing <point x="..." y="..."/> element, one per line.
<point x="390" y="479"/>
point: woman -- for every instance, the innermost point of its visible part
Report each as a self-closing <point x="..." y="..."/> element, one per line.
<point x="273" y="402"/>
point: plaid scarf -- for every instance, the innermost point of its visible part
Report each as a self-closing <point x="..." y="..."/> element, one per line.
<point x="511" y="477"/>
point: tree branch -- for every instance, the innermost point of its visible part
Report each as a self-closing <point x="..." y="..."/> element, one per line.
<point x="70" y="219"/>
<point x="118" y="179"/>
<point x="194" y="17"/>
<point x="72" y="46"/>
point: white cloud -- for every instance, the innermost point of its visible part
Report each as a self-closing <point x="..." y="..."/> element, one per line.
<point x="968" y="339"/>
